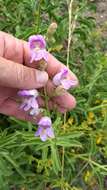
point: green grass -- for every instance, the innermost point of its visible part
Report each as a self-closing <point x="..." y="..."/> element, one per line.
<point x="77" y="158"/>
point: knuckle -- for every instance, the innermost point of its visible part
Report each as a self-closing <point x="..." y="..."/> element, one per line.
<point x="19" y="74"/>
<point x="24" y="76"/>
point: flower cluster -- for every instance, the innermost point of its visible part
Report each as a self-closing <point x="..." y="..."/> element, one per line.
<point x="37" y="45"/>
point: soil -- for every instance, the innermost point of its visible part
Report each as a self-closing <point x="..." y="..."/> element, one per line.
<point x="101" y="13"/>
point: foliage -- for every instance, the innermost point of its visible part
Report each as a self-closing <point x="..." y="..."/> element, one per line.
<point x="76" y="159"/>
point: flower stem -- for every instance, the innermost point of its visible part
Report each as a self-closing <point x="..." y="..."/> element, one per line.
<point x="72" y="25"/>
<point x="63" y="156"/>
<point x="46" y="102"/>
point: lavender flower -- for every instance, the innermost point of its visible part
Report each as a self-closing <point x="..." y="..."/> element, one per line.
<point x="37" y="46"/>
<point x="61" y="79"/>
<point x="45" y="129"/>
<point x="26" y="93"/>
<point x="30" y="102"/>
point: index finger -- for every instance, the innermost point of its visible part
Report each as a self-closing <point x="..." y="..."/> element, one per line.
<point x="54" y="66"/>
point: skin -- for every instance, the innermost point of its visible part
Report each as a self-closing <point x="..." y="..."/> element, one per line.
<point x="17" y="73"/>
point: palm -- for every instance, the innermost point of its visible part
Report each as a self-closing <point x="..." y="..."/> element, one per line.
<point x="17" y="51"/>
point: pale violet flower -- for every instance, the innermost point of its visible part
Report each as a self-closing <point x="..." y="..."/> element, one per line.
<point x="37" y="45"/>
<point x="26" y="93"/>
<point x="30" y="102"/>
<point x="61" y="79"/>
<point x="45" y="129"/>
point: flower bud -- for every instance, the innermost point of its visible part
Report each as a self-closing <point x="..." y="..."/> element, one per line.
<point x="52" y="28"/>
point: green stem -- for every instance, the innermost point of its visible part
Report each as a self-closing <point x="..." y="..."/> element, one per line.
<point x="46" y="102"/>
<point x="103" y="167"/>
<point x="63" y="156"/>
<point x="38" y="16"/>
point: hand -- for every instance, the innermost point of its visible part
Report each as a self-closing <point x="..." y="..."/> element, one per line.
<point x="16" y="73"/>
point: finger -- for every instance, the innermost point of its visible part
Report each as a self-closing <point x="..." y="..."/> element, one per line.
<point x="11" y="48"/>
<point x="12" y="108"/>
<point x="18" y="76"/>
<point x="55" y="107"/>
<point x="52" y="105"/>
<point x="18" y="51"/>
<point x="66" y="101"/>
<point x="54" y="66"/>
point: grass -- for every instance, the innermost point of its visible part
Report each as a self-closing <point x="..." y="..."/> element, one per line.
<point x="77" y="158"/>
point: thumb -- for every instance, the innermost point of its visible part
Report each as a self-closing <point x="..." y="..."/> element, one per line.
<point x="16" y="75"/>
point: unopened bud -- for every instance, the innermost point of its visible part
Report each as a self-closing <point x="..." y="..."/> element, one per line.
<point x="52" y="28"/>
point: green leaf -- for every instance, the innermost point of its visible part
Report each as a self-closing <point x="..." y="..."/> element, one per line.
<point x="55" y="158"/>
<point x="13" y="163"/>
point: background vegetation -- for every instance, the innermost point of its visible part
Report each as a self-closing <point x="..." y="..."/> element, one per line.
<point x="77" y="158"/>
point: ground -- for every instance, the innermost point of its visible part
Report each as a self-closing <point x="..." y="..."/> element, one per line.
<point x="101" y="14"/>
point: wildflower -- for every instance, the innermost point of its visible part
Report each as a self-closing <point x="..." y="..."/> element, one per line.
<point x="45" y="129"/>
<point x="98" y="140"/>
<point x="30" y="102"/>
<point x="37" y="46"/>
<point x="32" y="92"/>
<point x="91" y="118"/>
<point x="87" y="176"/>
<point x="91" y="115"/>
<point x="70" y="120"/>
<point x="61" y="79"/>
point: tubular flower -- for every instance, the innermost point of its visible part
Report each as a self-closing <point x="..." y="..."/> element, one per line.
<point x="30" y="101"/>
<point x="26" y="93"/>
<point x="37" y="46"/>
<point x="61" y="79"/>
<point x="45" y="130"/>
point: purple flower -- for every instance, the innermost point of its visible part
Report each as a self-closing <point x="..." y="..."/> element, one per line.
<point x="37" y="46"/>
<point x="45" y="122"/>
<point x="37" y="41"/>
<point x="30" y="102"/>
<point x="27" y="93"/>
<point x="62" y="79"/>
<point x="45" y="129"/>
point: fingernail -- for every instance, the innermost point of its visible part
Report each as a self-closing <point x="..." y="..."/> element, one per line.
<point x="41" y="78"/>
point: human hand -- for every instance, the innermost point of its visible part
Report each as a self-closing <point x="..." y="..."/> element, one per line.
<point x="16" y="73"/>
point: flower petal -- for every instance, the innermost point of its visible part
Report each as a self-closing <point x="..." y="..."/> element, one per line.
<point x="22" y="105"/>
<point x="64" y="73"/>
<point x="27" y="107"/>
<point x="45" y="122"/>
<point x="23" y="93"/>
<point x="38" y="55"/>
<point x="37" y="39"/>
<point x="59" y="76"/>
<point x="35" y="112"/>
<point x="32" y="92"/>
<point x="43" y="136"/>
<point x="32" y="55"/>
<point x="28" y="104"/>
<point x="34" y="103"/>
<point x="57" y="79"/>
<point x="67" y="84"/>
<point x="39" y="131"/>
<point x="50" y="132"/>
